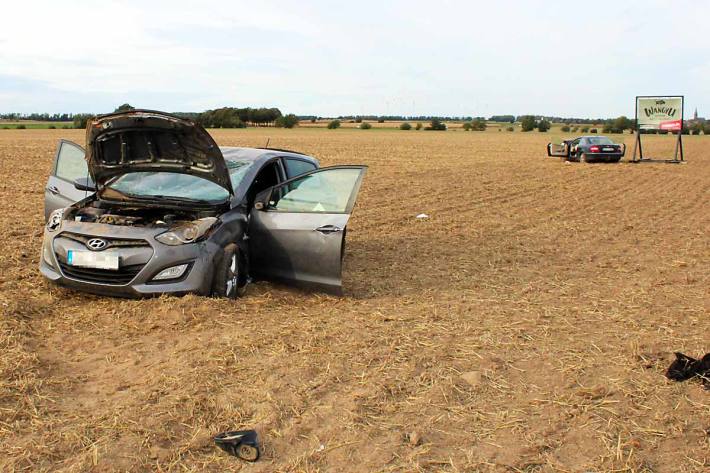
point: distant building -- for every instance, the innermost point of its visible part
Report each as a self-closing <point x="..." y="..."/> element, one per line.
<point x="695" y="119"/>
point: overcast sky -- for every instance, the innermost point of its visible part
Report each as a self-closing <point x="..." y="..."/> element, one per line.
<point x="329" y="58"/>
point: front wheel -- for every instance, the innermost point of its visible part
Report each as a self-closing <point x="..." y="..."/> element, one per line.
<point x="230" y="278"/>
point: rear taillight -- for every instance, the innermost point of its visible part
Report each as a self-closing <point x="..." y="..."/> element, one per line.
<point x="594" y="149"/>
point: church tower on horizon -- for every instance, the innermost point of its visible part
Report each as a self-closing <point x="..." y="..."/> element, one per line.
<point x="695" y="115"/>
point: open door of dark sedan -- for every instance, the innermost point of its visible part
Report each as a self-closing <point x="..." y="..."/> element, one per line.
<point x="297" y="229"/>
<point x="561" y="150"/>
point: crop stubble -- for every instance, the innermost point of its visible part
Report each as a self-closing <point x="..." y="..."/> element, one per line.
<point x="525" y="326"/>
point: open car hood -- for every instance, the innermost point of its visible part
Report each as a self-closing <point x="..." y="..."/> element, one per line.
<point x="146" y="140"/>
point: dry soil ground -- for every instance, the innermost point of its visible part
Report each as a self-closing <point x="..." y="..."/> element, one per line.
<point x="525" y="326"/>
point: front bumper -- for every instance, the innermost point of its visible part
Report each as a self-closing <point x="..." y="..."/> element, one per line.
<point x="199" y="256"/>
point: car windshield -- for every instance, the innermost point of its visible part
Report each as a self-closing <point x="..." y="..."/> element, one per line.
<point x="180" y="186"/>
<point x="599" y="140"/>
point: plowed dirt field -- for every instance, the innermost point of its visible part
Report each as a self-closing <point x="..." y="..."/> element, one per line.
<point x="524" y="326"/>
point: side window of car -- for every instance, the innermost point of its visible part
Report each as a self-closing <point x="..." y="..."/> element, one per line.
<point x="326" y="191"/>
<point x="70" y="163"/>
<point x="268" y="176"/>
<point x="296" y="167"/>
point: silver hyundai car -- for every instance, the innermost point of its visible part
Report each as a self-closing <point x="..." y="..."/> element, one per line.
<point x="152" y="205"/>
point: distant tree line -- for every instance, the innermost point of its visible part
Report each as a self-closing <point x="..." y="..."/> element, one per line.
<point x="232" y="117"/>
<point x="39" y="117"/>
<point x="383" y="118"/>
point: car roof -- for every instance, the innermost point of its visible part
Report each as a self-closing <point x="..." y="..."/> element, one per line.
<point x="261" y="154"/>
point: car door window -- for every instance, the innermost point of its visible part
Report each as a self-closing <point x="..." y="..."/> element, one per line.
<point x="70" y="162"/>
<point x="268" y="176"/>
<point x="296" y="167"/>
<point x="326" y="191"/>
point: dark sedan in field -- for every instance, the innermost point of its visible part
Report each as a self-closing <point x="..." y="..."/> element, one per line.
<point x="153" y="206"/>
<point x="587" y="149"/>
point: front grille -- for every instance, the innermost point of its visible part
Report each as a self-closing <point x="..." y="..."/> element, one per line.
<point x="112" y="242"/>
<point x="123" y="275"/>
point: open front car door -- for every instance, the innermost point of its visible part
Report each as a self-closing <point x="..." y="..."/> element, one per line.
<point x="69" y="165"/>
<point x="561" y="150"/>
<point x="297" y="229"/>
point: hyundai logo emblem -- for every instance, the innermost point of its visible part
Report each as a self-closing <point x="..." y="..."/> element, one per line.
<point x="96" y="244"/>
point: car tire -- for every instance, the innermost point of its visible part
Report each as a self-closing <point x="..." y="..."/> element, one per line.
<point x="615" y="160"/>
<point x="230" y="278"/>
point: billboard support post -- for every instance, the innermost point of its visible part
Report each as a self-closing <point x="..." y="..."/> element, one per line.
<point x="659" y="113"/>
<point x="637" y="145"/>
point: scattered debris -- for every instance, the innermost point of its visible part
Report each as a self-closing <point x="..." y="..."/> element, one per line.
<point x="240" y="443"/>
<point x="422" y="216"/>
<point x="685" y="367"/>
<point x="414" y="438"/>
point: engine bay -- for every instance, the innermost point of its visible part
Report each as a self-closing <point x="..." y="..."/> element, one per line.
<point x="134" y="216"/>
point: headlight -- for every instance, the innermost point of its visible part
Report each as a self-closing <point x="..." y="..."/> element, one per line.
<point x="55" y="220"/>
<point x="187" y="232"/>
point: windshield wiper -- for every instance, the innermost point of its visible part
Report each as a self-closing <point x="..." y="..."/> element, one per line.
<point x="158" y="197"/>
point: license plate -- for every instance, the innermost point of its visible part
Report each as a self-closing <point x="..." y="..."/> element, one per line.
<point x="608" y="149"/>
<point x="89" y="259"/>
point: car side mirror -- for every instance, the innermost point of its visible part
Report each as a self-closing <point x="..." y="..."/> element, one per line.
<point x="85" y="184"/>
<point x="261" y="202"/>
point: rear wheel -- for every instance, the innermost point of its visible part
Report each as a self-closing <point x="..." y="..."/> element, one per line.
<point x="583" y="158"/>
<point x="615" y="160"/>
<point x="230" y="279"/>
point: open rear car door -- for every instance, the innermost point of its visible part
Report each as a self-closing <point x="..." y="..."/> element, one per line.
<point x="69" y="165"/>
<point x="561" y="150"/>
<point x="297" y="229"/>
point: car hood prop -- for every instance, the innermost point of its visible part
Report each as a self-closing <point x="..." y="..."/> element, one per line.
<point x="145" y="141"/>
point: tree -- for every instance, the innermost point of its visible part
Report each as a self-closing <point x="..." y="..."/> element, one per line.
<point x="467" y="126"/>
<point x="80" y="119"/>
<point x="419" y="126"/>
<point x="125" y="108"/>
<point x="565" y="128"/>
<point x="405" y="126"/>
<point x="503" y="118"/>
<point x="436" y="125"/>
<point x="479" y="124"/>
<point x="528" y="123"/>
<point x="543" y="125"/>
<point x="622" y="123"/>
<point x="365" y="126"/>
<point x="334" y="124"/>
<point x="286" y="121"/>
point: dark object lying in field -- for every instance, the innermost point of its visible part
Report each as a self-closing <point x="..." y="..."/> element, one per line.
<point x="240" y="443"/>
<point x="685" y="367"/>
